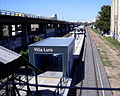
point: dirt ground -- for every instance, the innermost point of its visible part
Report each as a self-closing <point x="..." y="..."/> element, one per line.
<point x="113" y="56"/>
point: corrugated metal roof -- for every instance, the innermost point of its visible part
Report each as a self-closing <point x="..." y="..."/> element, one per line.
<point x="7" y="56"/>
<point x="54" y="41"/>
<point x="11" y="61"/>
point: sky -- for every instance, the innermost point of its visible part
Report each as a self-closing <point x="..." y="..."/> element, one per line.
<point x="71" y="10"/>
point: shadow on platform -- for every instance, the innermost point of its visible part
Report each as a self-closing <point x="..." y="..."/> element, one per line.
<point x="77" y="76"/>
<point x="45" y="93"/>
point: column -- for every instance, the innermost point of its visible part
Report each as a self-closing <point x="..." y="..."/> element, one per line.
<point x="44" y="30"/>
<point x="56" y="29"/>
<point x="118" y="21"/>
<point x="66" y="28"/>
<point x="28" y="28"/>
<point x="10" y="30"/>
<point x="1" y="31"/>
<point x="40" y="28"/>
<point x="112" y="19"/>
<point x="115" y="18"/>
<point x="24" y="34"/>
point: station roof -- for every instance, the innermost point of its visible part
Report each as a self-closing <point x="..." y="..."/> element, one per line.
<point x="54" y="41"/>
<point x="7" y="56"/>
<point x="11" y="61"/>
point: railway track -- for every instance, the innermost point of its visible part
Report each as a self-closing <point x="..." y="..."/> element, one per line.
<point x="95" y="75"/>
<point x="98" y="80"/>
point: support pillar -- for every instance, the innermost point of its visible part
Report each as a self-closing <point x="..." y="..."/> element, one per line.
<point x="28" y="28"/>
<point x="40" y="28"/>
<point x="16" y="28"/>
<point x="56" y="29"/>
<point x="61" y="30"/>
<point x="112" y="20"/>
<point x="10" y="30"/>
<point x="66" y="28"/>
<point x="118" y="21"/>
<point x="24" y="34"/>
<point x="115" y="10"/>
<point x="44" y="30"/>
<point x="1" y="31"/>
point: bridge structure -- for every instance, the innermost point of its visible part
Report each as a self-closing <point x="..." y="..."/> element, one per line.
<point x="19" y="29"/>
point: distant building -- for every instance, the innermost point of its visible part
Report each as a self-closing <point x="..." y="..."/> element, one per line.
<point x="115" y="19"/>
<point x="54" y="17"/>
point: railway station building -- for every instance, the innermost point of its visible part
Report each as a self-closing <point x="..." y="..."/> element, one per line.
<point x="53" y="54"/>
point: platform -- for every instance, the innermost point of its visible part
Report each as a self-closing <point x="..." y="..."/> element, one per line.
<point x="50" y="78"/>
<point x="78" y="45"/>
<point x="79" y="42"/>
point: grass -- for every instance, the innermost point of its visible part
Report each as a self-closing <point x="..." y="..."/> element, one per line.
<point x="113" y="42"/>
<point x="96" y="31"/>
<point x="24" y="54"/>
<point x="105" y="59"/>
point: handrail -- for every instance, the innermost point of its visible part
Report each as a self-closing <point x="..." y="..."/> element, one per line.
<point x="26" y="15"/>
<point x="66" y="87"/>
<point x="21" y="14"/>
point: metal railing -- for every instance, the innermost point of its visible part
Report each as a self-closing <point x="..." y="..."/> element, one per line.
<point x="21" y="14"/>
<point x="50" y="86"/>
<point x="26" y="15"/>
<point x="66" y="87"/>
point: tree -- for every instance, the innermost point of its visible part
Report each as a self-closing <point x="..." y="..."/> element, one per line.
<point x="103" y="21"/>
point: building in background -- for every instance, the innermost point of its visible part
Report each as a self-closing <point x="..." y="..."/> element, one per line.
<point x="115" y="19"/>
<point x="54" y="17"/>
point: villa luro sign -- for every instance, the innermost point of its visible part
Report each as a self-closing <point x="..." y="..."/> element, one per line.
<point x="43" y="50"/>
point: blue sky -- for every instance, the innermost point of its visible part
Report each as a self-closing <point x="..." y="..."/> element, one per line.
<point x="80" y="10"/>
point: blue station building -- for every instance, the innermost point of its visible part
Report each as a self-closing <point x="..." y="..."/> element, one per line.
<point x="53" y="54"/>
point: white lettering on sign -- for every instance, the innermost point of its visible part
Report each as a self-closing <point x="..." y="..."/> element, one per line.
<point x="43" y="49"/>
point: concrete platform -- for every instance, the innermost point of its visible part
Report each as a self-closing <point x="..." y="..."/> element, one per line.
<point x="79" y="41"/>
<point x="50" y="78"/>
<point x="78" y="45"/>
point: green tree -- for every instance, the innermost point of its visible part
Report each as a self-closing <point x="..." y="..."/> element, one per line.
<point x="103" y="21"/>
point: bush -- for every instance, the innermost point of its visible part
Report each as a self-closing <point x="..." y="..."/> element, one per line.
<point x="24" y="54"/>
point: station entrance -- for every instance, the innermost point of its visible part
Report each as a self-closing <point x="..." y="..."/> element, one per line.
<point x="49" y="62"/>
